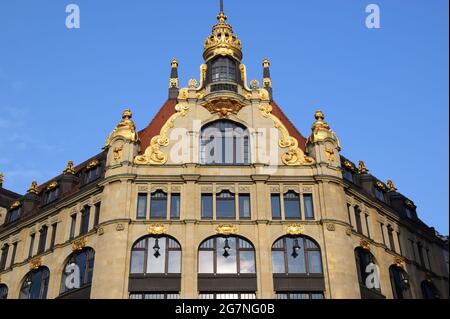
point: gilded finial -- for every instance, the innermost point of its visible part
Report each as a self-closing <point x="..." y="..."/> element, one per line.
<point x="70" y="170"/>
<point x="266" y="63"/>
<point x="321" y="130"/>
<point x="1" y="178"/>
<point x="33" y="188"/>
<point x="391" y="186"/>
<point x="174" y="63"/>
<point x="319" y="115"/>
<point x="126" y="115"/>
<point x="362" y="169"/>
<point x="126" y="129"/>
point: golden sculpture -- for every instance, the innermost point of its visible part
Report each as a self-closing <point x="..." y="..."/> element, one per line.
<point x="52" y="185"/>
<point x="330" y="154"/>
<point x="391" y="186"/>
<point x="399" y="262"/>
<point x="295" y="229"/>
<point x="70" y="169"/>
<point x="35" y="263"/>
<point x="224" y="106"/>
<point x="380" y="185"/>
<point x="118" y="152"/>
<point x="33" y="188"/>
<point x="364" y="244"/>
<point x="15" y="205"/>
<point x="126" y="128"/>
<point x="79" y="244"/>
<point x="321" y="130"/>
<point x="294" y="155"/>
<point x="153" y="154"/>
<point x="226" y="230"/>
<point x="349" y="165"/>
<point x="362" y="169"/>
<point x="157" y="229"/>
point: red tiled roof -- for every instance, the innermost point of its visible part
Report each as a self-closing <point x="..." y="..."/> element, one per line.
<point x="168" y="109"/>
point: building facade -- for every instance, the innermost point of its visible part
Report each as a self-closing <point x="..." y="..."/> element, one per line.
<point x="220" y="196"/>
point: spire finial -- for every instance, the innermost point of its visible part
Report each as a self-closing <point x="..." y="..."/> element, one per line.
<point x="221" y="6"/>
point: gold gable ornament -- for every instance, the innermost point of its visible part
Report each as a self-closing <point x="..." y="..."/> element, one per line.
<point x="70" y="169"/>
<point x="320" y="131"/>
<point x="52" y="186"/>
<point x="365" y="244"/>
<point x="15" y="205"/>
<point x="224" y="106"/>
<point x="79" y="244"/>
<point x="92" y="164"/>
<point x="399" y="262"/>
<point x="33" y="188"/>
<point x="157" y="229"/>
<point x="126" y="129"/>
<point x="226" y="230"/>
<point x="362" y="169"/>
<point x="35" y="263"/>
<point x="391" y="186"/>
<point x="295" y="229"/>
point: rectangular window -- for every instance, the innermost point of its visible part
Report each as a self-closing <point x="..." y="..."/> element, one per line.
<point x="308" y="206"/>
<point x="379" y="194"/>
<point x="349" y="215"/>
<point x="53" y="240"/>
<point x="276" y="206"/>
<point x="420" y="249"/>
<point x="13" y="257"/>
<point x="52" y="195"/>
<point x="382" y="233"/>
<point x="292" y="205"/>
<point x="42" y="239"/>
<point x="391" y="238"/>
<point x="207" y="206"/>
<point x="399" y="244"/>
<point x="85" y="216"/>
<point x="158" y="205"/>
<point x="30" y="251"/>
<point x="409" y="213"/>
<point x="358" y="220"/>
<point x="348" y="175"/>
<point x="175" y="206"/>
<point x="413" y="250"/>
<point x="225" y="206"/>
<point x="73" y="221"/>
<point x="4" y="257"/>
<point x="244" y="206"/>
<point x="142" y="206"/>
<point x="367" y="225"/>
<point x="97" y="214"/>
<point x="428" y="259"/>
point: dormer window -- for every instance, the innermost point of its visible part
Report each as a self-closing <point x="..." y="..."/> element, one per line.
<point x="409" y="213"/>
<point x="15" y="212"/>
<point x="51" y="193"/>
<point x="379" y="191"/>
<point x="93" y="171"/>
<point x="223" y="70"/>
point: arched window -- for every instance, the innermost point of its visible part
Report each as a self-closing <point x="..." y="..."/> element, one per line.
<point x="368" y="274"/>
<point x="155" y="270"/>
<point x="297" y="268"/>
<point x="3" y="291"/>
<point x="400" y="282"/>
<point x="223" y="69"/>
<point x="429" y="290"/>
<point x="35" y="284"/>
<point x="78" y="272"/>
<point x="226" y="268"/>
<point x="224" y="142"/>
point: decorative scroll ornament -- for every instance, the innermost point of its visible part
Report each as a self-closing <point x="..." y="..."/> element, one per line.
<point x="295" y="229"/>
<point x="157" y="229"/>
<point x="349" y="166"/>
<point x="399" y="262"/>
<point x="224" y="106"/>
<point x="92" y="164"/>
<point x="52" y="185"/>
<point x="322" y="131"/>
<point x="35" y="263"/>
<point x="33" y="188"/>
<point x="391" y="186"/>
<point x="70" y="169"/>
<point x="380" y="186"/>
<point x="126" y="129"/>
<point x="79" y="244"/>
<point x="364" y="244"/>
<point x="153" y="154"/>
<point x="226" y="230"/>
<point x="294" y="155"/>
<point x="362" y="169"/>
<point x="16" y="205"/>
<point x="243" y="70"/>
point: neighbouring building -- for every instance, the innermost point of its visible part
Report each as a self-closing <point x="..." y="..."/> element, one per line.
<point x="220" y="196"/>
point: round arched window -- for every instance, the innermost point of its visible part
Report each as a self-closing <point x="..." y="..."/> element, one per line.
<point x="3" y="291"/>
<point x="78" y="270"/>
<point x="400" y="282"/>
<point x="35" y="284"/>
<point x="429" y="290"/>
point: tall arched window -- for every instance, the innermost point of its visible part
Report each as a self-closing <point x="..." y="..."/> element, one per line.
<point x="35" y="284"/>
<point x="77" y="274"/>
<point x="155" y="270"/>
<point x="369" y="278"/>
<point x="429" y="290"/>
<point x="400" y="282"/>
<point x="226" y="267"/>
<point x="3" y="291"/>
<point x="297" y="268"/>
<point x="224" y="142"/>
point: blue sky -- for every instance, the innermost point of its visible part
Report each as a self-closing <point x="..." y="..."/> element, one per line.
<point x="384" y="91"/>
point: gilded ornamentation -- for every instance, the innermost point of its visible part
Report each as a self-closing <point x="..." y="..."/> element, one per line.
<point x="153" y="154"/>
<point x="70" y="169"/>
<point x="294" y="156"/>
<point x="330" y="154"/>
<point x="120" y="227"/>
<point x="264" y="94"/>
<point x="409" y="203"/>
<point x="380" y="185"/>
<point x="362" y="169"/>
<point x="222" y="41"/>
<point x="173" y="83"/>
<point x="157" y="229"/>
<point x="349" y="165"/>
<point x="254" y="84"/>
<point x="399" y="262"/>
<point x="364" y="244"/>
<point x="320" y="130"/>
<point x="193" y="84"/>
<point x="226" y="230"/>
<point x="1" y="178"/>
<point x="118" y="152"/>
<point x="391" y="186"/>
<point x="224" y="106"/>
<point x="52" y="185"/>
<point x="79" y="244"/>
<point x="243" y="70"/>
<point x="183" y="94"/>
<point x="33" y="188"/>
<point x="92" y="164"/>
<point x="331" y="227"/>
<point x="15" y="205"/>
<point x="295" y="229"/>
<point x="126" y="129"/>
<point x="35" y="263"/>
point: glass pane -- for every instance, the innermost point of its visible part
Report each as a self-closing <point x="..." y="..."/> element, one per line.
<point x="206" y="262"/>
<point x="174" y="262"/>
<point x="308" y="202"/>
<point x="278" y="262"/>
<point x="247" y="262"/>
<point x="225" y="208"/>
<point x="244" y="206"/>
<point x="158" y="208"/>
<point x="296" y="262"/>
<point x="207" y="203"/>
<point x="156" y="264"/>
<point x="142" y="206"/>
<point x="316" y="296"/>
<point x="292" y="207"/>
<point x="137" y="262"/>
<point x="226" y="265"/>
<point x="276" y="207"/>
<point x="315" y="263"/>
<point x="175" y="206"/>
